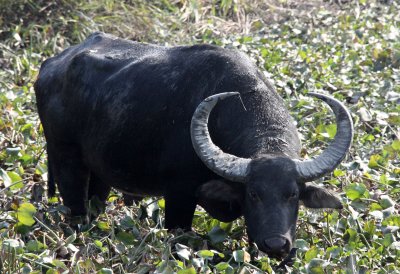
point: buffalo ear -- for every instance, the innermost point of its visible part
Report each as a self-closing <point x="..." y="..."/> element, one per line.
<point x="314" y="196"/>
<point x="222" y="200"/>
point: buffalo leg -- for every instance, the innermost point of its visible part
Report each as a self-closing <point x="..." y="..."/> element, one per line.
<point x="130" y="199"/>
<point x="72" y="178"/>
<point x="51" y="185"/>
<point x="97" y="194"/>
<point x="179" y="210"/>
<point x="98" y="188"/>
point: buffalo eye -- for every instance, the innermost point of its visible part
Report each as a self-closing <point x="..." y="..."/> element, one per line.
<point x="293" y="195"/>
<point x="253" y="195"/>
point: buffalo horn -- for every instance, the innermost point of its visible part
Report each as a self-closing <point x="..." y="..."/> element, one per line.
<point x="226" y="165"/>
<point x="326" y="162"/>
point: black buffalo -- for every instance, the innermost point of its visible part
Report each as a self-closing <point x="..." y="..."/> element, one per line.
<point x="136" y="117"/>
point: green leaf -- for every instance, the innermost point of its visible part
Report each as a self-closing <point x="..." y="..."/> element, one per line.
<point x="25" y="214"/>
<point x="222" y="266"/>
<point x="184" y="254"/>
<point x="388" y="240"/>
<point x="5" y="178"/>
<point x="369" y="228"/>
<point x="393" y="220"/>
<point x="10" y="178"/>
<point x="396" y="145"/>
<point x="14" y="176"/>
<point x="126" y="237"/>
<point x="21" y="228"/>
<point x="383" y="179"/>
<point x="35" y="246"/>
<point x="59" y="264"/>
<point x="161" y="203"/>
<point x="226" y="226"/>
<point x="386" y="202"/>
<point x="311" y="254"/>
<point x="103" y="226"/>
<point x="112" y="198"/>
<point x="376" y="160"/>
<point x="316" y="266"/>
<point x="302" y="54"/>
<point x="70" y="239"/>
<point x="338" y="173"/>
<point x="183" y="251"/>
<point x="14" y="151"/>
<point x="375" y="206"/>
<point x="53" y="200"/>
<point x="334" y="251"/>
<point x="217" y="235"/>
<point x="206" y="254"/>
<point x="16" y="180"/>
<point x="355" y="191"/>
<point x="27" y="269"/>
<point x="301" y="244"/>
<point x="350" y="236"/>
<point x="331" y="130"/>
<point x="12" y="244"/>
<point x="190" y="270"/>
<point x="128" y="222"/>
<point x="377" y="214"/>
<point x="238" y="255"/>
<point x="98" y="243"/>
<point x="241" y="256"/>
<point x="105" y="271"/>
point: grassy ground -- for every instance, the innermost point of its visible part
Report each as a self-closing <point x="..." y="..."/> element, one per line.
<point x="349" y="49"/>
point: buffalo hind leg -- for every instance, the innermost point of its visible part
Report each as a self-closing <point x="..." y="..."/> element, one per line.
<point x="72" y="178"/>
<point x="97" y="194"/>
<point x="51" y="184"/>
<point x="131" y="199"/>
<point x="179" y="210"/>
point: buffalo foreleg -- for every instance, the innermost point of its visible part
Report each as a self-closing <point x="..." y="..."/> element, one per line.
<point x="179" y="209"/>
<point x="97" y="194"/>
<point x="72" y="178"/>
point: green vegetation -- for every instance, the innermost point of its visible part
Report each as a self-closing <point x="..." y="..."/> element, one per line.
<point x="351" y="51"/>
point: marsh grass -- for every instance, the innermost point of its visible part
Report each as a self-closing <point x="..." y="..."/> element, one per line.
<point x="349" y="49"/>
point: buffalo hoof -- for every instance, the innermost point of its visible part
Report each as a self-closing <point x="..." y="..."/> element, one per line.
<point x="78" y="223"/>
<point x="131" y="200"/>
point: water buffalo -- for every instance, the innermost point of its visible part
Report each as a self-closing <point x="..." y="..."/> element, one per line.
<point x="137" y="117"/>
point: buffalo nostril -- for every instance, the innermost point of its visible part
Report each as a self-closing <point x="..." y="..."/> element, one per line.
<point x="277" y="245"/>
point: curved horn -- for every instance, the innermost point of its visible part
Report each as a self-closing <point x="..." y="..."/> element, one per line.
<point x="309" y="170"/>
<point x="226" y="165"/>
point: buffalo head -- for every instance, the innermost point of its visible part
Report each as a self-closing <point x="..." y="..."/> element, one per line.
<point x="267" y="190"/>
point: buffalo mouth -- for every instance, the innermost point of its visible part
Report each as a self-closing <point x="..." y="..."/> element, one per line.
<point x="278" y="256"/>
<point x="277" y="247"/>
